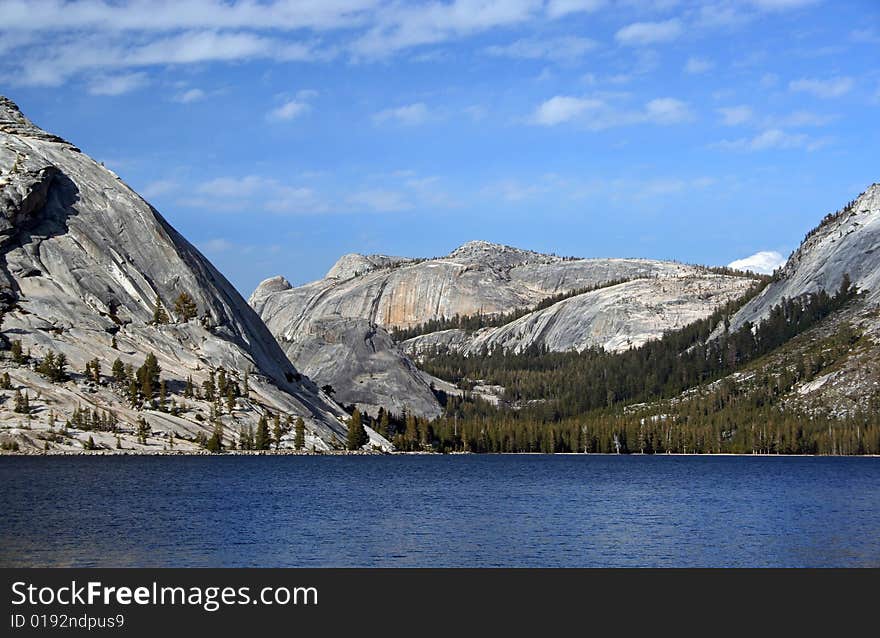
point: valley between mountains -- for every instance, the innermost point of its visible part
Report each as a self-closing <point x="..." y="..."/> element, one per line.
<point x="118" y="336"/>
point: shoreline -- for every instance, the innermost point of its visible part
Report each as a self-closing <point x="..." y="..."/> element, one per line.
<point x="41" y="453"/>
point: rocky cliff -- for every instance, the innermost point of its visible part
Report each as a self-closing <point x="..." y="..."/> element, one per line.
<point x="614" y="318"/>
<point x="845" y="243"/>
<point x="345" y="313"/>
<point x="83" y="261"/>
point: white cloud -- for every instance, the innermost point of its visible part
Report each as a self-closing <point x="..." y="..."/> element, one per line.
<point x="774" y="139"/>
<point x="667" y="110"/>
<point x="644" y="33"/>
<point x="597" y="114"/>
<point x="158" y="188"/>
<point x="763" y="262"/>
<point x="735" y="115"/>
<point x="117" y="84"/>
<point x="382" y="201"/>
<point x="171" y="15"/>
<point x="781" y="5"/>
<point x="563" y="108"/>
<point x="293" y="108"/>
<point x="402" y="26"/>
<point x="256" y="193"/>
<point x="290" y="110"/>
<point x="216" y="245"/>
<point x="558" y="49"/>
<point x="696" y="66"/>
<point x="190" y="95"/>
<point x="409" y="114"/>
<point x="800" y="119"/>
<point x="559" y="8"/>
<point x="830" y="88"/>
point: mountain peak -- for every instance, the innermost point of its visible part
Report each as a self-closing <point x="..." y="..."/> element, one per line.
<point x="14" y="122"/>
<point x="486" y="252"/>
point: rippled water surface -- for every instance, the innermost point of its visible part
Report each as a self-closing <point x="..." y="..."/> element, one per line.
<point x="566" y="511"/>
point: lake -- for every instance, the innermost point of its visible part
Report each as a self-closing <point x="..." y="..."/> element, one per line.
<point x="414" y="511"/>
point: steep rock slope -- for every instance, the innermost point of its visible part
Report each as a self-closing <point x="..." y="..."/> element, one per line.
<point x="614" y="318"/>
<point x="847" y="242"/>
<point x="357" y="358"/>
<point x="477" y="277"/>
<point x="361" y="295"/>
<point x="83" y="260"/>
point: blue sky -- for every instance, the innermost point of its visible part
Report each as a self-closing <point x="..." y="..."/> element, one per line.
<point x="279" y="135"/>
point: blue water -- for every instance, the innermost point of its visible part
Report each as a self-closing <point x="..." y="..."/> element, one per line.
<point x="566" y="511"/>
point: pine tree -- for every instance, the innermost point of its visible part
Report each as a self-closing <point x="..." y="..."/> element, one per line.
<point x="143" y="430"/>
<point x="384" y="423"/>
<point x="299" y="440"/>
<point x="210" y="387"/>
<point x="5" y="382"/>
<point x="148" y="377"/>
<point x="21" y="403"/>
<point x="215" y="443"/>
<point x="185" y="307"/>
<point x="160" y="316"/>
<point x="262" y="440"/>
<point x="17" y="353"/>
<point x="118" y="371"/>
<point x="357" y="435"/>
<point x="276" y="431"/>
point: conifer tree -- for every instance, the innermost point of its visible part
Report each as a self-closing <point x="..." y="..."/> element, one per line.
<point x="143" y="430"/>
<point x="185" y="307"/>
<point x="262" y="440"/>
<point x="215" y="443"/>
<point x="160" y="316"/>
<point x="21" y="403"/>
<point x="17" y="353"/>
<point x="357" y="435"/>
<point x="276" y="431"/>
<point x="299" y="440"/>
<point x="118" y="371"/>
<point x="148" y="377"/>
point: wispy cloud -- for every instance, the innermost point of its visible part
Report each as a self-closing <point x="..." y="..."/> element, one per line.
<point x="645" y="33"/>
<point x="159" y="187"/>
<point x="563" y="49"/>
<point x="113" y="85"/>
<point x="823" y="88"/>
<point x="735" y="115"/>
<point x="560" y="8"/>
<point x="293" y="108"/>
<point x="190" y="95"/>
<point x="382" y="201"/>
<point x="408" y="114"/>
<point x="696" y="66"/>
<point x="774" y="139"/>
<point x="597" y="114"/>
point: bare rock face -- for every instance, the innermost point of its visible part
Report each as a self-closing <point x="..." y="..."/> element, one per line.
<point x="362" y="295"/>
<point x="477" y="277"/>
<point x="363" y="365"/>
<point x="614" y="318"/>
<point x="83" y="259"/>
<point x="845" y="243"/>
